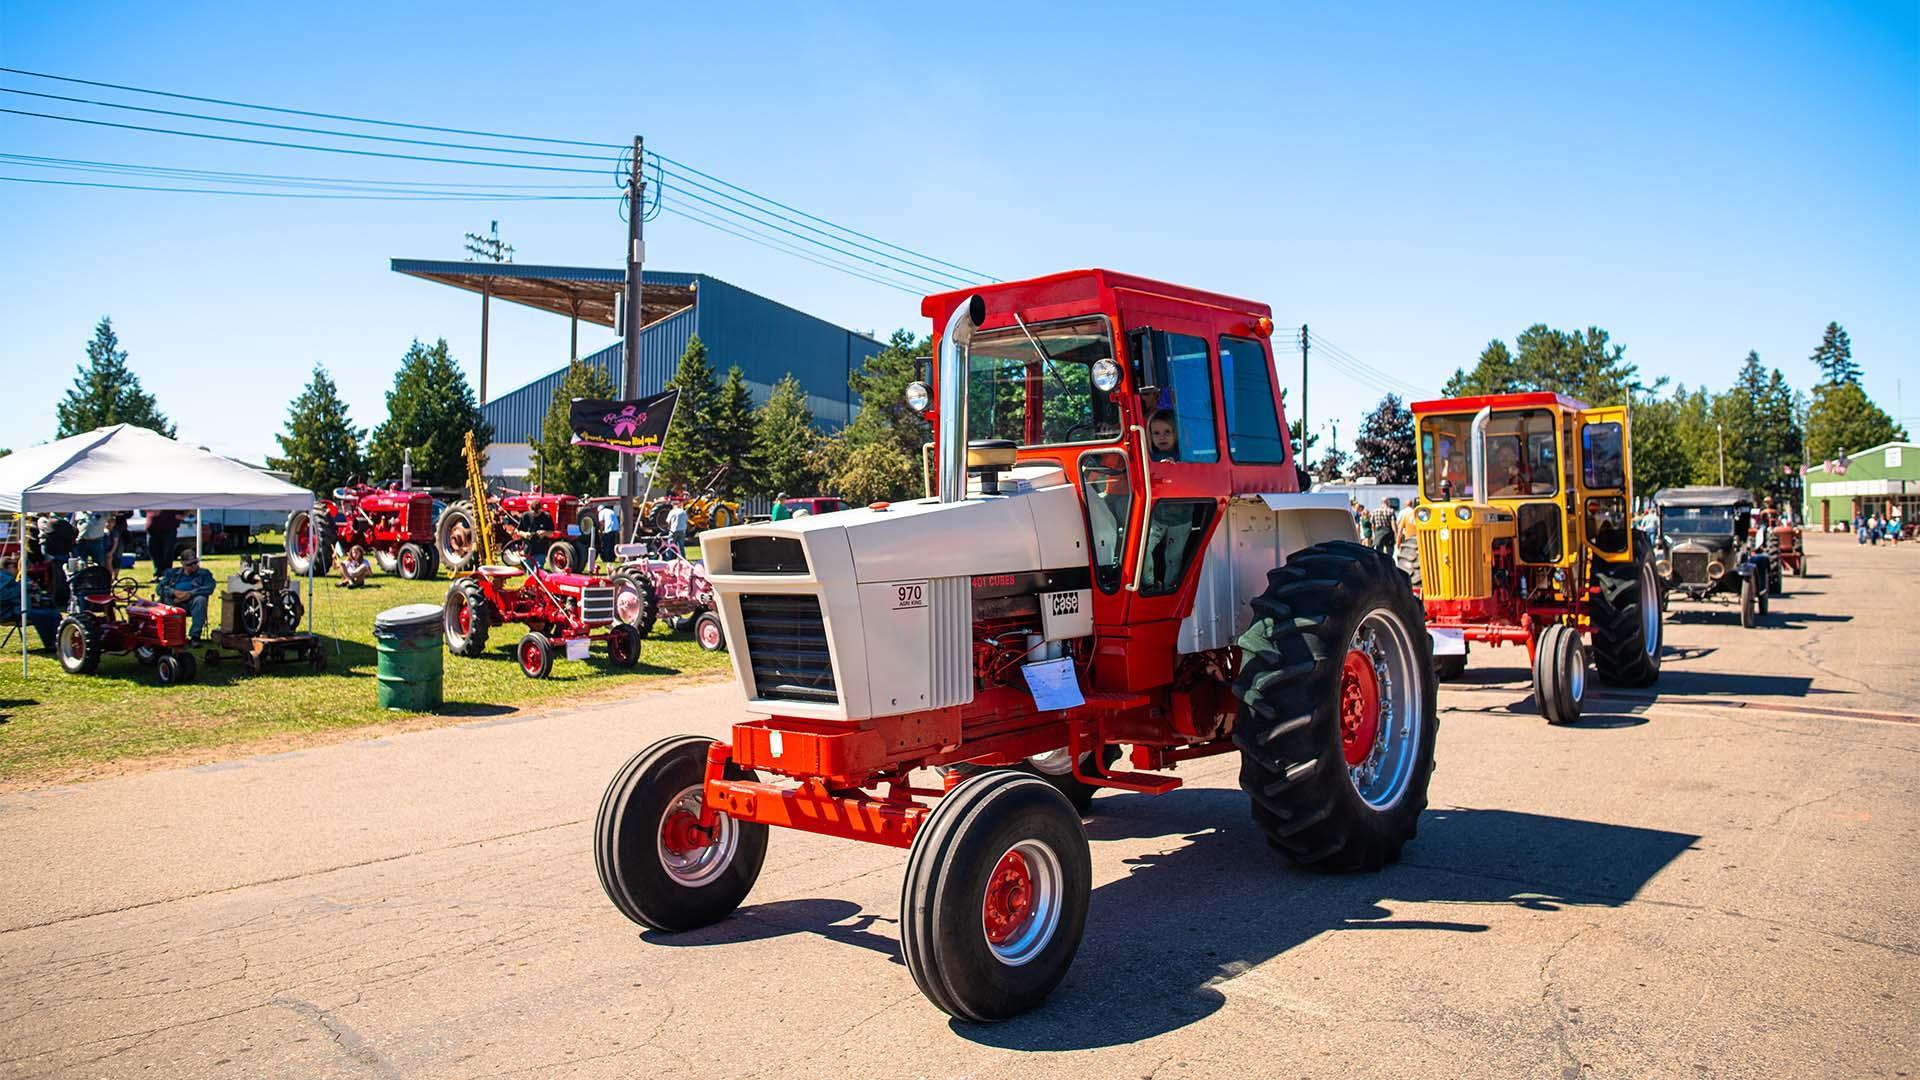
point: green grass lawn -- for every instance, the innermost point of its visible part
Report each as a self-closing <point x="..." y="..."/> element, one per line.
<point x="55" y="726"/>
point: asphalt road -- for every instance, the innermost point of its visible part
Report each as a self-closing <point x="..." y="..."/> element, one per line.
<point x="1719" y="881"/>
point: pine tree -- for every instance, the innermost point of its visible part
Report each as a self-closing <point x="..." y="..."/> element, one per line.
<point x="321" y="447"/>
<point x="1384" y="448"/>
<point x="1581" y="364"/>
<point x="429" y="411"/>
<point x="564" y="467"/>
<point x="785" y="444"/>
<point x="733" y="435"/>
<point x="106" y="391"/>
<point x="1834" y="357"/>
<point x="689" y="454"/>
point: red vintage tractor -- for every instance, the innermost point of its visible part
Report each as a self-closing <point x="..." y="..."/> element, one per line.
<point x="455" y="540"/>
<point x="394" y="526"/>
<point x="1117" y="554"/>
<point x="562" y="613"/>
<point x="109" y="616"/>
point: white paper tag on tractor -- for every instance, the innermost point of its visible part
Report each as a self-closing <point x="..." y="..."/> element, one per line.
<point x="1448" y="640"/>
<point x="577" y="648"/>
<point x="1053" y="684"/>
<point x="1066" y="615"/>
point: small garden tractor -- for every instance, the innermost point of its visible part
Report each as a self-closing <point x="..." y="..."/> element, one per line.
<point x="951" y="674"/>
<point x="671" y="587"/>
<point x="395" y="527"/>
<point x="560" y="610"/>
<point x="108" y="616"/>
<point x="1524" y="537"/>
<point x="457" y="542"/>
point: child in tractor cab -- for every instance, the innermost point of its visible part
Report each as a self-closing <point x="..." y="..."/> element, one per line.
<point x="187" y="586"/>
<point x="1162" y="443"/>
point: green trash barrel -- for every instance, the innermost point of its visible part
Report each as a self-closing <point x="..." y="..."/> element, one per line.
<point x="407" y="640"/>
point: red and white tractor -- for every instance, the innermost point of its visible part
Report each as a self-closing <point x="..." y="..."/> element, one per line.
<point x="562" y="612"/>
<point x="109" y="616"/>
<point x="1115" y="555"/>
<point x="395" y="527"/>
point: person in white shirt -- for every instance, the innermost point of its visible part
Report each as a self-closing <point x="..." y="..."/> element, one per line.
<point x="677" y="526"/>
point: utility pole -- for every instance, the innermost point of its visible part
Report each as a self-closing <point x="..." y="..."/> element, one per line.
<point x="1303" y="388"/>
<point x="636" y="252"/>
<point x="1720" y="433"/>
<point x="492" y="249"/>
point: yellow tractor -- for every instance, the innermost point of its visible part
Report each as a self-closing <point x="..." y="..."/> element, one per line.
<point x="1525" y="535"/>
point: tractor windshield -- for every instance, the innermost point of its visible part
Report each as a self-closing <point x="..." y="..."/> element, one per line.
<point x="1521" y="460"/>
<point x="1014" y="392"/>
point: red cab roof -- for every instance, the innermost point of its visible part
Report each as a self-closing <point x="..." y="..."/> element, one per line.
<point x="1532" y="398"/>
<point x="1070" y="287"/>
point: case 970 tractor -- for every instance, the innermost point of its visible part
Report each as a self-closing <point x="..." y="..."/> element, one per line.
<point x="1525" y="536"/>
<point x="1116" y="554"/>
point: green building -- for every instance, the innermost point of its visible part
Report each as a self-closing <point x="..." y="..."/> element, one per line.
<point x="1884" y="480"/>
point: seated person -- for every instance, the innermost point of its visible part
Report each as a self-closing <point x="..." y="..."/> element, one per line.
<point x="40" y="612"/>
<point x="354" y="569"/>
<point x="1509" y="474"/>
<point x="1163" y="442"/>
<point x="187" y="586"/>
<point x="534" y="526"/>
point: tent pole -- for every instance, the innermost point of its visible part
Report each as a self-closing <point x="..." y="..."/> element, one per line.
<point x="21" y="518"/>
<point x="197" y="530"/>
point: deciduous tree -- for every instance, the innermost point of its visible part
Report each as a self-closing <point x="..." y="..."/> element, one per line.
<point x="877" y="456"/>
<point x="1843" y="418"/>
<point x="1384" y="448"/>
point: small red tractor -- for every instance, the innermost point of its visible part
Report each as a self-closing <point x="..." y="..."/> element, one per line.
<point x="1115" y="553"/>
<point x="108" y="616"/>
<point x="395" y="527"/>
<point x="457" y="542"/>
<point x="560" y="610"/>
<point x="1525" y="538"/>
<point x="653" y="586"/>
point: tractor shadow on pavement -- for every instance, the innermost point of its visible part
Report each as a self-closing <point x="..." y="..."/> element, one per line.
<point x="1163" y="941"/>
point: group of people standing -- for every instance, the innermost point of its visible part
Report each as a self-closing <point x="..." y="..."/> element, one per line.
<point x="1873" y="528"/>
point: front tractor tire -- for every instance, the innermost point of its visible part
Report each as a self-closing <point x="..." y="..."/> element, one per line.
<point x="995" y="897"/>
<point x="1627" y="628"/>
<point x="415" y="562"/>
<point x="1560" y="674"/>
<point x="1337" y="709"/>
<point x="657" y="865"/>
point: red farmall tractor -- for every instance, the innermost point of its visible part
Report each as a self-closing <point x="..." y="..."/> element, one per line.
<point x="458" y="545"/>
<point x="1525" y="538"/>
<point x="109" y="616"/>
<point x="394" y="526"/>
<point x="1117" y="556"/>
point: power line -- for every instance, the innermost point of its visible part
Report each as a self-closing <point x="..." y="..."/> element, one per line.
<point x="776" y="245"/>
<point x="305" y="112"/>
<point x="272" y="179"/>
<point x="395" y="197"/>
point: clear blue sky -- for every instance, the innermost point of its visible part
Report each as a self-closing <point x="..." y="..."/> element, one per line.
<point x="1700" y="180"/>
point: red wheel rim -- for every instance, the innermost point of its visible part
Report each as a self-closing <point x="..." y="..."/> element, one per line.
<point x="301" y="541"/>
<point x="1008" y="903"/>
<point x="466" y="618"/>
<point x="681" y="833"/>
<point x="1359" y="706"/>
<point x="530" y="657"/>
<point x="709" y="633"/>
<point x="408" y="562"/>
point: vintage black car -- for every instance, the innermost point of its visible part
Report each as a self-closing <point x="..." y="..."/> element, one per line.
<point x="1709" y="546"/>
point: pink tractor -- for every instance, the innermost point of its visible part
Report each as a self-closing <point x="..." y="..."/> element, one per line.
<point x="654" y="582"/>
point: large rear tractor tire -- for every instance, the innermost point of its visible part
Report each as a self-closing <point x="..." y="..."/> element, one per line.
<point x="655" y="863"/>
<point x="1337" y="713"/>
<point x="995" y="897"/>
<point x="1627" y="628"/>
<point x="635" y="601"/>
<point x="454" y="538"/>
<point x="303" y="549"/>
<point x="1560" y="674"/>
<point x="77" y="641"/>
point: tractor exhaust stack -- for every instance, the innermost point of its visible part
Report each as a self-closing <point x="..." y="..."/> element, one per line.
<point x="953" y="397"/>
<point x="1477" y="448"/>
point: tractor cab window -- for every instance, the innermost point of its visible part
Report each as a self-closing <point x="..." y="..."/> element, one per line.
<point x="1176" y="535"/>
<point x="1523" y="460"/>
<point x="1445" y="460"/>
<point x="1253" y="429"/>
<point x="1176" y="377"/>
<point x="1108" y="492"/>
<point x="1035" y="386"/>
<point x="1600" y="453"/>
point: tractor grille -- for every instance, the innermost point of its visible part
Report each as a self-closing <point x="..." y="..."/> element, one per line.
<point x="787" y="648"/>
<point x="419" y="517"/>
<point x="1690" y="567"/>
<point x="596" y="603"/>
<point x="173" y="628"/>
<point x="1458" y="567"/>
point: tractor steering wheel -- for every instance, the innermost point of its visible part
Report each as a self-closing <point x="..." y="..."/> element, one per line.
<point x="127" y="588"/>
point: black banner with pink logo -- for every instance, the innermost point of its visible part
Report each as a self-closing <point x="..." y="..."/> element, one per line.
<point x="631" y="427"/>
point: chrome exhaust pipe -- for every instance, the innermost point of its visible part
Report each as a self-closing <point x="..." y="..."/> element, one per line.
<point x="1477" y="447"/>
<point x="952" y="433"/>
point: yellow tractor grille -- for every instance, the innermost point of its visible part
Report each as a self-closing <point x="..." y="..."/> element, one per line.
<point x="1454" y="563"/>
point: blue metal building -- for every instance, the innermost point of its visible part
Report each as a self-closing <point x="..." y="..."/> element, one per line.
<point x="766" y="339"/>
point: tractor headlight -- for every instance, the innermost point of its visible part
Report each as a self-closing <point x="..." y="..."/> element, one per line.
<point x="1663" y="568"/>
<point x="1106" y="375"/>
<point x="1464" y="513"/>
<point x="1423" y="515"/>
<point x="918" y="397"/>
<point x="1716" y="570"/>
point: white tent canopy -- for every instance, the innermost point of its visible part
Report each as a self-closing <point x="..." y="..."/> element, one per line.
<point x="130" y="468"/>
